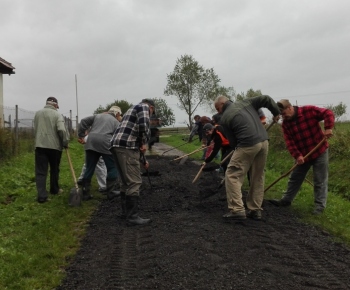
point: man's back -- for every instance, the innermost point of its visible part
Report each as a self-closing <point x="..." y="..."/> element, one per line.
<point x="47" y="125"/>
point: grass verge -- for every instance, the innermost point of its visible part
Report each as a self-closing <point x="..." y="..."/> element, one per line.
<point x="38" y="240"/>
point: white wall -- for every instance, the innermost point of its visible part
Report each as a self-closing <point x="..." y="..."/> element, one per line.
<point x="1" y="102"/>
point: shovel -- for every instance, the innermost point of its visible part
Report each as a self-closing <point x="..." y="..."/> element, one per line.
<point x="144" y="161"/>
<point x="295" y="165"/>
<point x="75" y="193"/>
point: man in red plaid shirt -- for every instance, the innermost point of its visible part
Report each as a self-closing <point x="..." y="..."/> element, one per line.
<point x="302" y="133"/>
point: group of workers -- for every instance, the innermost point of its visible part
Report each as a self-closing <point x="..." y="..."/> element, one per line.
<point x="120" y="140"/>
<point x="238" y="129"/>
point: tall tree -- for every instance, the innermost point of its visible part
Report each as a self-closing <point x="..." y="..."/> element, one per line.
<point x="338" y="110"/>
<point x="191" y="84"/>
<point x="164" y="112"/>
<point x="249" y="94"/>
<point x="124" y="106"/>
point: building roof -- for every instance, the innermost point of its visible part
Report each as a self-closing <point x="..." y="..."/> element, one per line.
<point x="6" y="67"/>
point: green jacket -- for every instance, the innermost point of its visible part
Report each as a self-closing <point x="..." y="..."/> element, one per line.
<point x="50" y="131"/>
<point x="241" y="122"/>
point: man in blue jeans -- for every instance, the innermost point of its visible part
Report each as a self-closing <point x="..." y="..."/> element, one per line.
<point x="100" y="129"/>
<point x="302" y="133"/>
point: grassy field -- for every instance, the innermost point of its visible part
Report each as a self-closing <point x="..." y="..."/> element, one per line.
<point x="37" y="241"/>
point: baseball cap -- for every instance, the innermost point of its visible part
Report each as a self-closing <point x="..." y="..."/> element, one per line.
<point x="207" y="127"/>
<point x="283" y="104"/>
<point x="53" y="101"/>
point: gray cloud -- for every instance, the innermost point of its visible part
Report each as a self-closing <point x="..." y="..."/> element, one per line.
<point x="124" y="49"/>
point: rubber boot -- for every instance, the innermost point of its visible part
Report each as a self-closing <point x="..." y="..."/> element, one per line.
<point x="86" y="190"/>
<point x="122" y="215"/>
<point x="132" y="208"/>
<point x="110" y="189"/>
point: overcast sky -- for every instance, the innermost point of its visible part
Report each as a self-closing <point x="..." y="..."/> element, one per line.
<point x="124" y="49"/>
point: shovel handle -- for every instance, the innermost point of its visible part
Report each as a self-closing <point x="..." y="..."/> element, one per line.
<point x="199" y="149"/>
<point x="179" y="145"/>
<point x="295" y="165"/>
<point x="72" y="169"/>
<point x="269" y="126"/>
<point x="199" y="173"/>
<point x="227" y="157"/>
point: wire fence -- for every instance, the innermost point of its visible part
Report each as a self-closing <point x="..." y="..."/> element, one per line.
<point x="17" y="128"/>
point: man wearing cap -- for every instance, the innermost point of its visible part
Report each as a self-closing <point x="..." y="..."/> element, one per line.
<point x="197" y="129"/>
<point x="302" y="133"/>
<point x="243" y="129"/>
<point x="100" y="130"/>
<point x="216" y="135"/>
<point x="127" y="145"/>
<point x="50" y="138"/>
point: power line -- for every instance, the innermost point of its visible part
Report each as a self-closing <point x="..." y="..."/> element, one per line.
<point x="318" y="94"/>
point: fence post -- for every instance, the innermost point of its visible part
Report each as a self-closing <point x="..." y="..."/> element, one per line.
<point x="16" y="131"/>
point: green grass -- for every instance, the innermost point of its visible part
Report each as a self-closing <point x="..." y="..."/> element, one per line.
<point x="38" y="240"/>
<point x="335" y="219"/>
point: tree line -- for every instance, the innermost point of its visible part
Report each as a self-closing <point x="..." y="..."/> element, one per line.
<point x="195" y="86"/>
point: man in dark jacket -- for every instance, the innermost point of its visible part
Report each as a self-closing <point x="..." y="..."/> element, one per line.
<point x="245" y="132"/>
<point x="197" y="128"/>
<point x="218" y="141"/>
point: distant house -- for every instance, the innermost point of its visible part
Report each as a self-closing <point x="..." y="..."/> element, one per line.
<point x="5" y="68"/>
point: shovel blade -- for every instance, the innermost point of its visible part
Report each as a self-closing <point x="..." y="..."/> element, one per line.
<point x="75" y="197"/>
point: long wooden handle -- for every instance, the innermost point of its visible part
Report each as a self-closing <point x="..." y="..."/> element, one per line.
<point x="295" y="165"/>
<point x="199" y="173"/>
<point x="72" y="169"/>
<point x="227" y="157"/>
<point x="199" y="149"/>
<point x="269" y="127"/>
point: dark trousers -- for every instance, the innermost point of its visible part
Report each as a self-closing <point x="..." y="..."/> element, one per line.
<point x="224" y="152"/>
<point x="91" y="159"/>
<point x="44" y="158"/>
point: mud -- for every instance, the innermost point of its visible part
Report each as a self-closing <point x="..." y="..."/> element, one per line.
<point x="189" y="246"/>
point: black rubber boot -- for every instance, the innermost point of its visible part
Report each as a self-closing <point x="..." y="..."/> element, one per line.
<point x="86" y="190"/>
<point x="110" y="189"/>
<point x="122" y="215"/>
<point x="132" y="208"/>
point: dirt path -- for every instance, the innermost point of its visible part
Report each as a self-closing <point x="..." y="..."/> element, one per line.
<point x="189" y="246"/>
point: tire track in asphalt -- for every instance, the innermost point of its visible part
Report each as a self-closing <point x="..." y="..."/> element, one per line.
<point x="134" y="250"/>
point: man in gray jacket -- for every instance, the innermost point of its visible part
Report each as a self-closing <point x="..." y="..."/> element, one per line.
<point x="50" y="139"/>
<point x="100" y="129"/>
<point x="248" y="136"/>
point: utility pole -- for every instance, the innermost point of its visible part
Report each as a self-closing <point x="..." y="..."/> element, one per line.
<point x="76" y="97"/>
